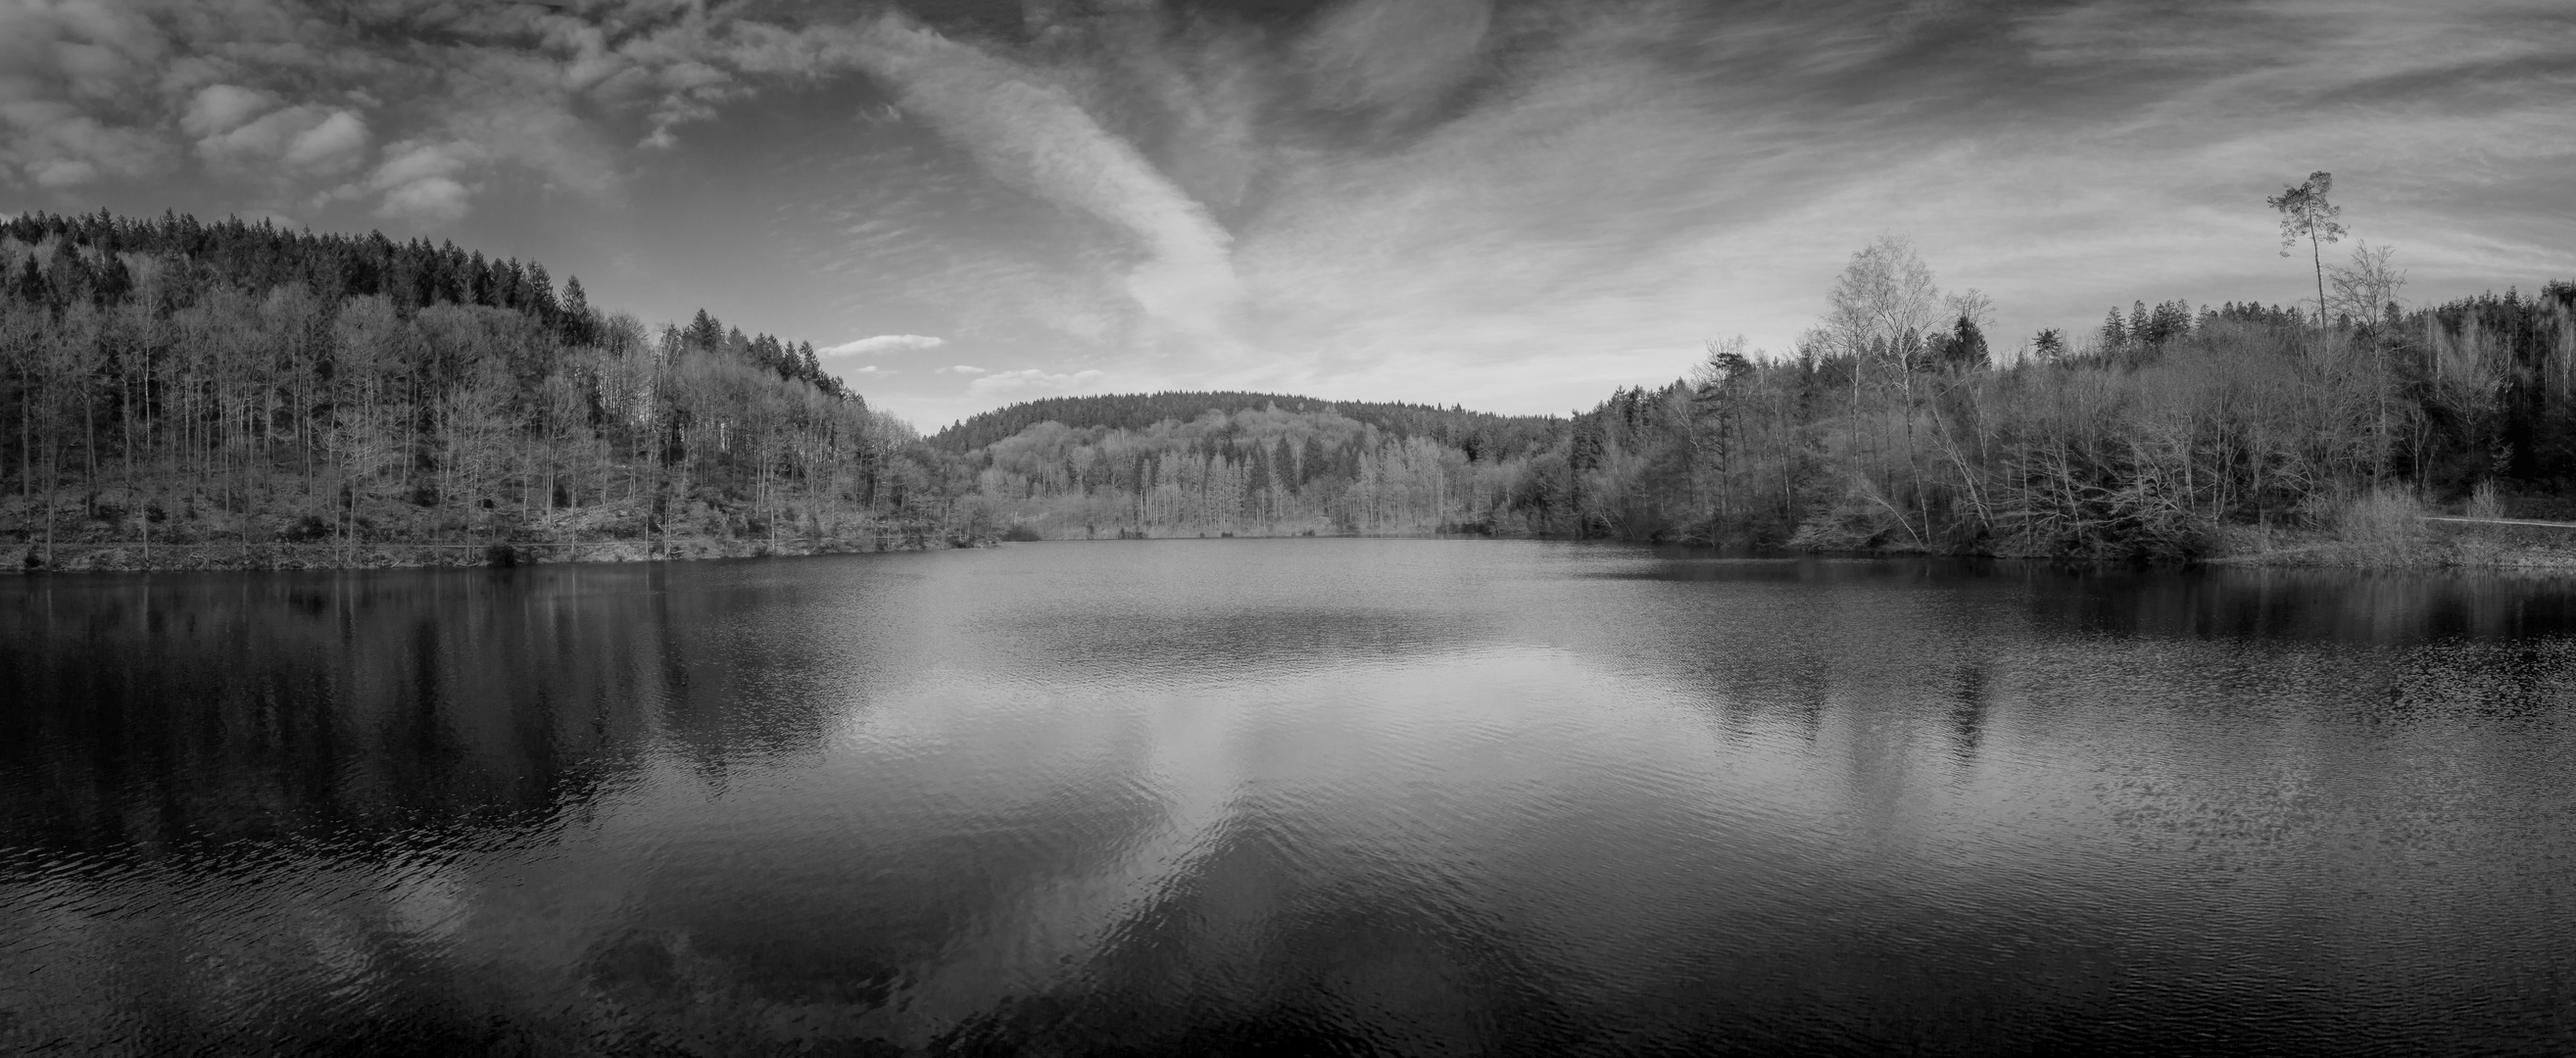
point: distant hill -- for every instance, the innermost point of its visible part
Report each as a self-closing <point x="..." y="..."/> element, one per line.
<point x="1486" y="434"/>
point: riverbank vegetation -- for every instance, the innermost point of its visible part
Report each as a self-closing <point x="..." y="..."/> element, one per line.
<point x="2171" y="433"/>
<point x="189" y="394"/>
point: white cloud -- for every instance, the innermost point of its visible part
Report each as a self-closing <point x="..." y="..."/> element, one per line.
<point x="1032" y="380"/>
<point x="334" y="145"/>
<point x="430" y="200"/>
<point x="961" y="369"/>
<point x="220" y="108"/>
<point x="66" y="70"/>
<point x="414" y="160"/>
<point x="58" y="145"/>
<point x="883" y="343"/>
<point x="521" y="108"/>
<point x="506" y="78"/>
<point x="303" y="140"/>
<point x="419" y="181"/>
<point x="61" y="172"/>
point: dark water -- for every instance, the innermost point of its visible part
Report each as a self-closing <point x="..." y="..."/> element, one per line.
<point x="1302" y="796"/>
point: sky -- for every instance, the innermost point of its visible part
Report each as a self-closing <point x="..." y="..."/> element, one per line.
<point x="1514" y="205"/>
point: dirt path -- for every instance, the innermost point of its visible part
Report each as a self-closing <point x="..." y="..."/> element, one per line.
<point x="2498" y="521"/>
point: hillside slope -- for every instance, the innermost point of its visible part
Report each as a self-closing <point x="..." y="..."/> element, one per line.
<point x="1489" y="435"/>
<point x="183" y="393"/>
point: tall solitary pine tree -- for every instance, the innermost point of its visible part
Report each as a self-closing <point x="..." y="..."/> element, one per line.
<point x="2306" y="213"/>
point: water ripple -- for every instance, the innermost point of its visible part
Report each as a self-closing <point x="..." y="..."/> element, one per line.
<point x="1333" y="797"/>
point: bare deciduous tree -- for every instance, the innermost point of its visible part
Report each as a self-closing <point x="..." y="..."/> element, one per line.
<point x="2366" y="289"/>
<point x="1973" y="305"/>
<point x="1884" y="298"/>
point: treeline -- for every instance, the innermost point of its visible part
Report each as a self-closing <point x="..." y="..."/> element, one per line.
<point x="1482" y="435"/>
<point x="2157" y="437"/>
<point x="1891" y="426"/>
<point x="178" y="384"/>
<point x="237" y="390"/>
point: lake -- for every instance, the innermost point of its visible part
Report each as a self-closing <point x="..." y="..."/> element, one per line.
<point x="1290" y="797"/>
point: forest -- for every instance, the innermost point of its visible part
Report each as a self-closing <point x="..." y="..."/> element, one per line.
<point x="2171" y="433"/>
<point x="189" y="394"/>
<point x="179" y="393"/>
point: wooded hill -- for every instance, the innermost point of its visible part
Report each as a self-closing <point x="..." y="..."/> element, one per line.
<point x="1481" y="434"/>
<point x="236" y="393"/>
<point x="1260" y="471"/>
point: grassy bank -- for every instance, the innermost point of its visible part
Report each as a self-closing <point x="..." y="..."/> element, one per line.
<point x="95" y="554"/>
<point x="2395" y="530"/>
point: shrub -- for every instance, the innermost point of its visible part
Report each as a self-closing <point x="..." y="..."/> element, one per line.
<point x="2483" y="502"/>
<point x="2385" y="526"/>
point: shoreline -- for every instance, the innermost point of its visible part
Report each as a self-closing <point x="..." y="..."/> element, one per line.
<point x="2503" y="547"/>
<point x="131" y="557"/>
<point x="2438" y="559"/>
<point x="2430" y="543"/>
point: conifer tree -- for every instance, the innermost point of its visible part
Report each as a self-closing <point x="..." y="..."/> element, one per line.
<point x="31" y="283"/>
<point x="704" y="333"/>
<point x="537" y="292"/>
<point x="579" y="327"/>
<point x="2049" y="345"/>
<point x="2305" y="212"/>
<point x="1964" y="348"/>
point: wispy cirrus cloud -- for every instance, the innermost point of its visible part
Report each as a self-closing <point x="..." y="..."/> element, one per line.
<point x="1514" y="203"/>
<point x="1398" y="57"/>
<point x="1029" y="131"/>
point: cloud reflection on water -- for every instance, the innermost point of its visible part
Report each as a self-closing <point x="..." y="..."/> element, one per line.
<point x="1420" y="795"/>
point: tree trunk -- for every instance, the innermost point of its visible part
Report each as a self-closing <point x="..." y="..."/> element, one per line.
<point x="2317" y="255"/>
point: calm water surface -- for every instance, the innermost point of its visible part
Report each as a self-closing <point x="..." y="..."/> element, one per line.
<point x="1294" y="796"/>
